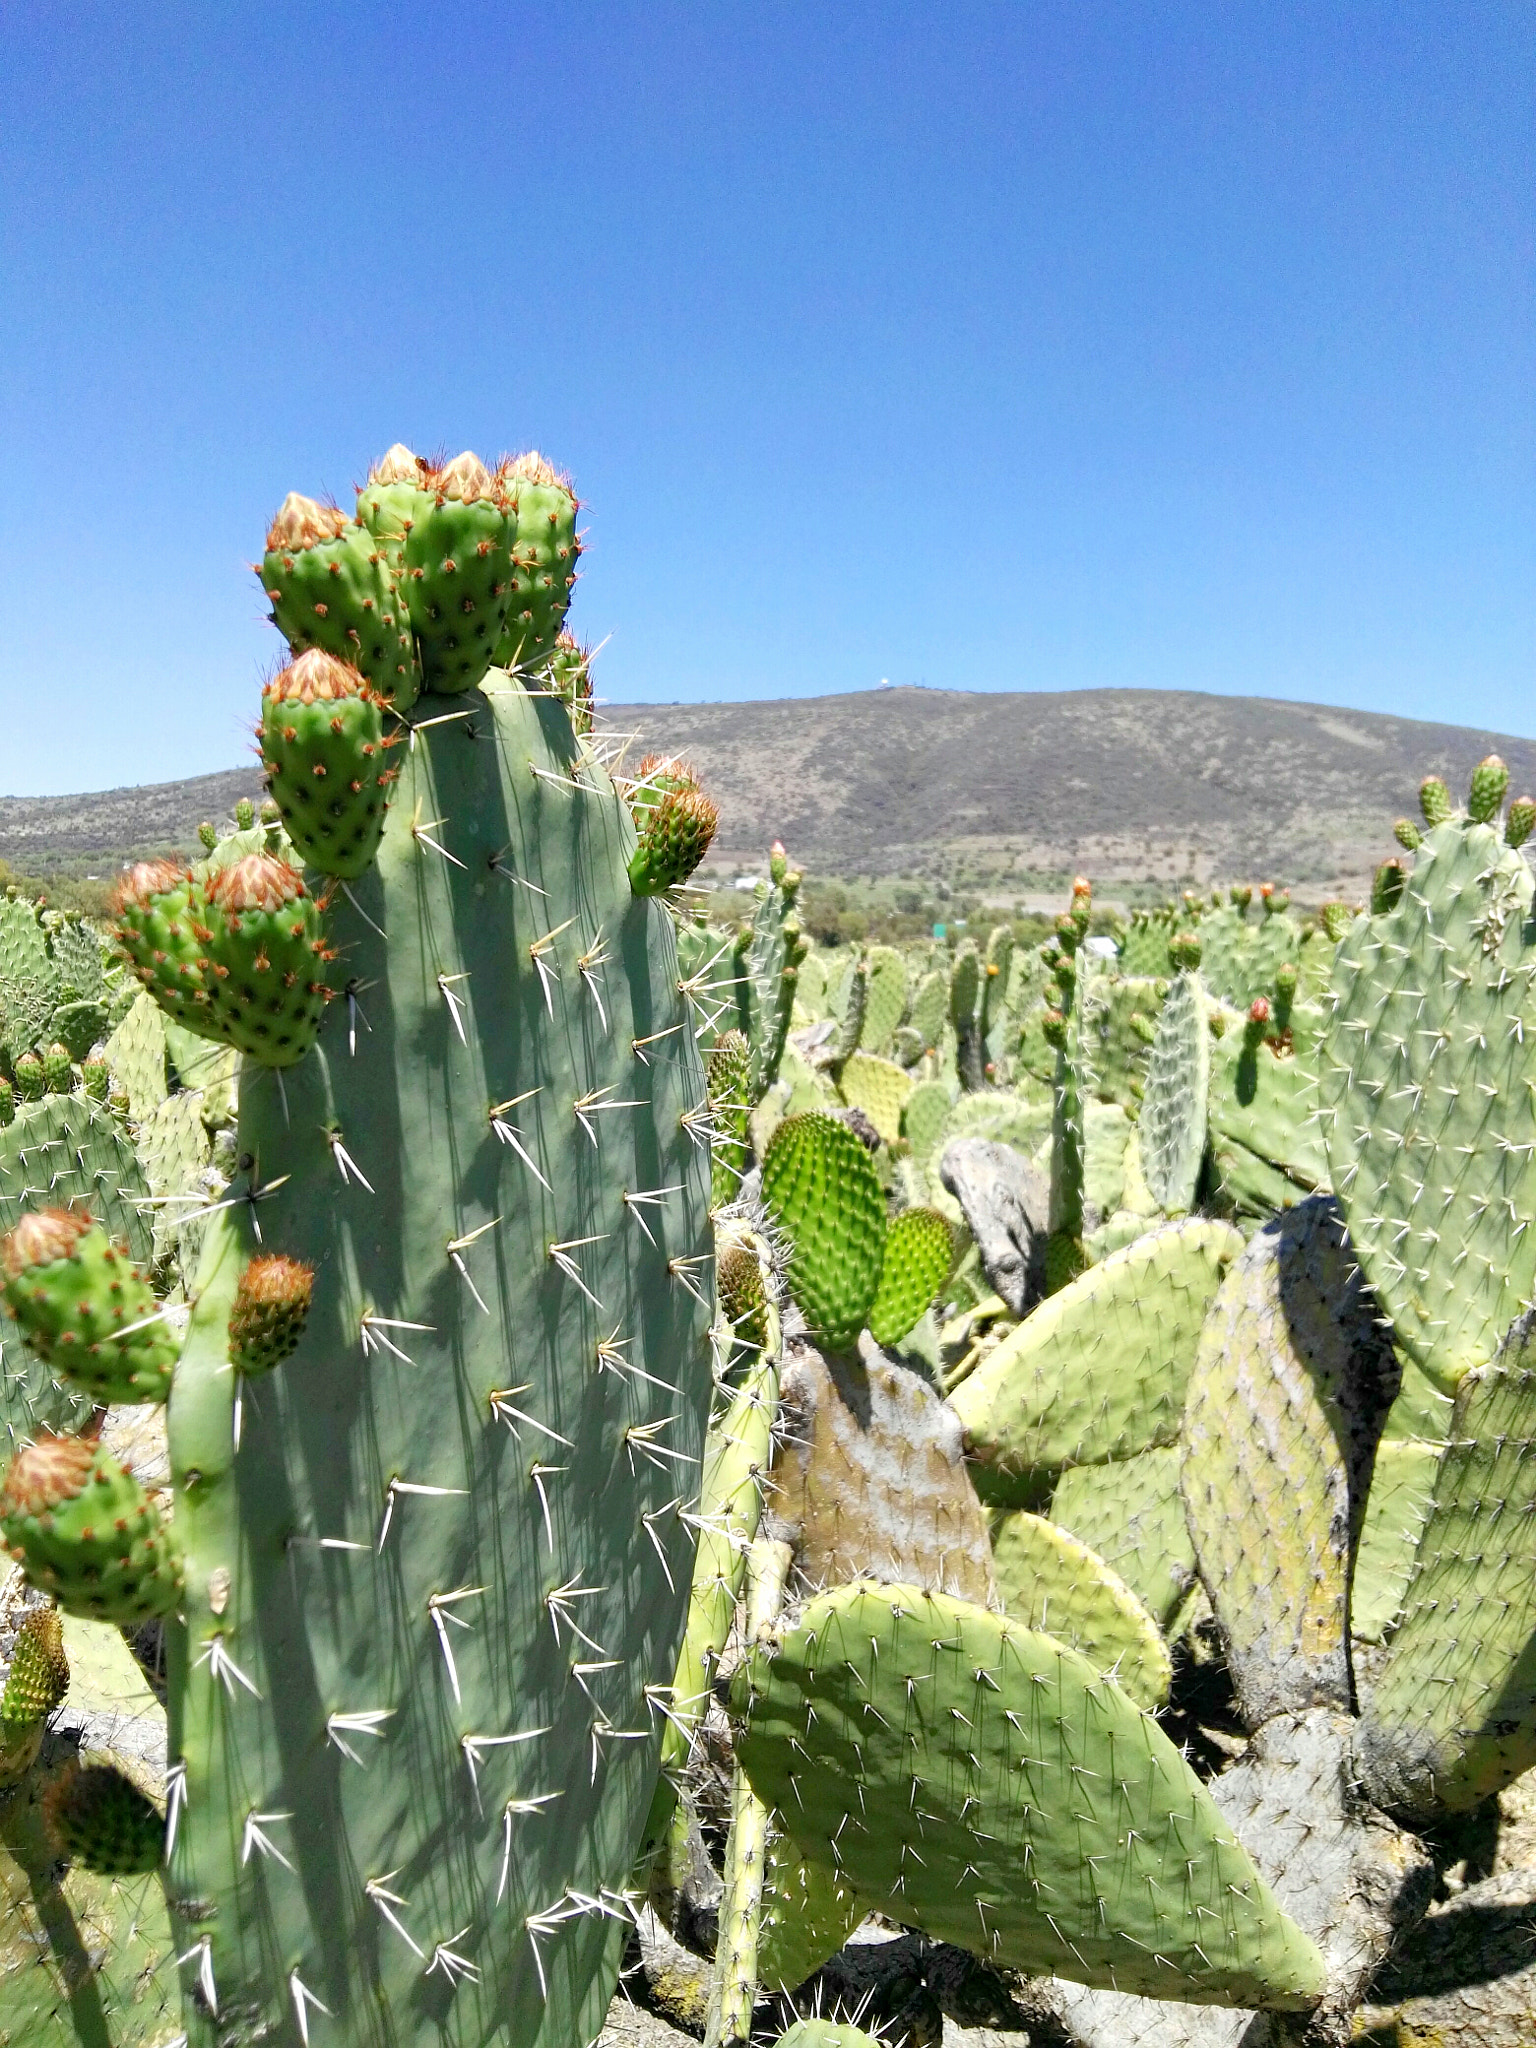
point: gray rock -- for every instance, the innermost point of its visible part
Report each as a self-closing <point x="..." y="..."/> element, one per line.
<point x="1468" y="1978"/>
<point x="1006" y="1202"/>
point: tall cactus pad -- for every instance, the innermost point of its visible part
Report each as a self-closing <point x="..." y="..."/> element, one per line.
<point x="1050" y="1582"/>
<point x="880" y="1088"/>
<point x="728" y="1072"/>
<point x="543" y="508"/>
<point x="1173" y="1110"/>
<point x="918" y="1254"/>
<point x="86" y="1532"/>
<point x="808" y="1915"/>
<point x="823" y="1193"/>
<point x="1290" y="1388"/>
<point x="85" y="1308"/>
<point x="770" y="959"/>
<point x="1099" y="1370"/>
<point x="332" y="587"/>
<point x="1402" y="1492"/>
<point x="1429" y="1118"/>
<point x="427" y="1593"/>
<point x="323" y="748"/>
<point x="886" y="1001"/>
<point x="986" y="1784"/>
<point x="1132" y="1514"/>
<point x="1453" y="1716"/>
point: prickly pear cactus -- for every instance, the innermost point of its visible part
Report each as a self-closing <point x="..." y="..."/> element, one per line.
<point x="1131" y="1513"/>
<point x="769" y="971"/>
<point x="436" y="1558"/>
<point x="1051" y="1582"/>
<point x="1173" y="1111"/>
<point x="1429" y="1119"/>
<point x="986" y="1784"/>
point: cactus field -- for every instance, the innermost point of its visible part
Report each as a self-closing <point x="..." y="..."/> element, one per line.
<point x="570" y="1457"/>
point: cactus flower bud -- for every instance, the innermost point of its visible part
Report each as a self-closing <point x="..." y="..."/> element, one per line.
<point x="1387" y="886"/>
<point x="1519" y="821"/>
<point x="1490" y="786"/>
<point x="271" y="1306"/>
<point x="1434" y="801"/>
<point x="1408" y="835"/>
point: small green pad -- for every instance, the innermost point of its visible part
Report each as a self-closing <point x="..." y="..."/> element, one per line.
<point x="1173" y="1109"/>
<point x="877" y="1086"/>
<point x="822" y="1191"/>
<point x="919" y="1251"/>
<point x="1402" y="1491"/>
<point x="1098" y="1370"/>
<point x="821" y="2033"/>
<point x="1049" y="1581"/>
<point x="986" y="1784"/>
<point x="808" y="1915"/>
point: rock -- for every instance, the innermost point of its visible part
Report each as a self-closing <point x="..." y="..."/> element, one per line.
<point x="1468" y="1977"/>
<point x="1006" y="1203"/>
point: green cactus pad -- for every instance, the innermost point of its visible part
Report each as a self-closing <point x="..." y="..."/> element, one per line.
<point x="923" y="1117"/>
<point x="86" y="1532"/>
<point x="886" y="1003"/>
<point x="493" y="1418"/>
<point x="99" y="1818"/>
<point x="77" y="1027"/>
<point x="1051" y="1582"/>
<point x="1099" y="1370"/>
<point x="770" y="963"/>
<point x="77" y="956"/>
<point x="1173" y="1110"/>
<point x="1264" y="1097"/>
<point x="67" y="1150"/>
<point x="879" y="1087"/>
<point x="323" y="749"/>
<point x="985" y="1783"/>
<point x="919" y="1252"/>
<point x="808" y="1915"/>
<point x="72" y="1291"/>
<point x="544" y="548"/>
<point x="1396" y="1510"/>
<point x="822" y="1191"/>
<point x="136" y="1055"/>
<point x="823" y="2033"/>
<point x="1290" y="1388"/>
<point x="1452" y="1719"/>
<point x="1429" y="1121"/>
<point x="38" y="1677"/>
<point x="30" y="983"/>
<point x="1132" y="1514"/>
<point x="332" y="587"/>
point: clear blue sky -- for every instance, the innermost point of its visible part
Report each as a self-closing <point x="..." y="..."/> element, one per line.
<point x="1020" y="346"/>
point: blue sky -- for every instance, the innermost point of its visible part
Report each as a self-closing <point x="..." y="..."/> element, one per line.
<point x="1024" y="346"/>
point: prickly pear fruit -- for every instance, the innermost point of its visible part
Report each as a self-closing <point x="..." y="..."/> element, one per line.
<point x="392" y="501"/>
<point x="1336" y="919"/>
<point x="918" y="1254"/>
<point x="1434" y="801"/>
<point x="245" y="814"/>
<point x="1407" y="835"/>
<point x="31" y="1078"/>
<point x="100" y="1818"/>
<point x="95" y="1080"/>
<point x="739" y="1285"/>
<point x="332" y="587"/>
<point x="822" y="1191"/>
<point x="675" y="821"/>
<point x="1519" y="821"/>
<point x="1490" y="786"/>
<point x="1184" y="950"/>
<point x="457" y="576"/>
<point x="271" y="1305"/>
<point x="265" y="956"/>
<point x="543" y="510"/>
<point x="7" y="1103"/>
<point x="85" y="1531"/>
<point x="1387" y="885"/>
<point x="207" y="835"/>
<point x="72" y="1291"/>
<point x="568" y="674"/>
<point x="324" y="749"/>
<point x="35" y="1684"/>
<point x="58" y="1070"/>
<point x="160" y="922"/>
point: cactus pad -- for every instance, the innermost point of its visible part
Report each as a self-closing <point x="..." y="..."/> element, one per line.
<point x="823" y="1193"/>
<point x="1402" y="1491"/>
<point x="919" y="1252"/>
<point x="880" y="1088"/>
<point x="808" y="1915"/>
<point x="985" y="1783"/>
<point x="1429" y="1122"/>
<point x="86" y="1532"/>
<point x="1050" y="1582"/>
<point x="1099" y="1370"/>
<point x="72" y="1292"/>
<point x="1131" y="1514"/>
<point x="1173" y="1110"/>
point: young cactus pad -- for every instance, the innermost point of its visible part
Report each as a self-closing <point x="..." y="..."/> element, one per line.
<point x="823" y="1193"/>
<point x="985" y="1783"/>
<point x="410" y="1731"/>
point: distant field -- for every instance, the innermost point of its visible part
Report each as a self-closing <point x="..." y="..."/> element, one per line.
<point x="1143" y="791"/>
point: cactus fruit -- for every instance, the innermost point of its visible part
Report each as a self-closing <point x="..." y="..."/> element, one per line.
<point x="35" y="1684"/>
<point x="1291" y="1384"/>
<point x="1051" y="1582"/>
<point x="159" y="912"/>
<point x="1335" y="919"/>
<point x="1174" y="1107"/>
<point x="545" y="548"/>
<point x="58" y="1070"/>
<point x="742" y="1294"/>
<point x="31" y="1078"/>
<point x="87" y="1532"/>
<point x="919" y="1252"/>
<point x="1452" y="1718"/>
<point x="85" y="1308"/>
<point x="1490" y="786"/>
<point x="956" y="1768"/>
<point x="270" y="1310"/>
<point x="1387" y="886"/>
<point x="675" y="822"/>
<point x="1429" y="1123"/>
<point x="324" y="750"/>
<point x="1099" y="1370"/>
<point x="568" y="675"/>
<point x="99" y="1817"/>
<point x="1407" y="835"/>
<point x="1434" y="801"/>
<point x="823" y="1193"/>
<point x="332" y="588"/>
<point x="1519" y="821"/>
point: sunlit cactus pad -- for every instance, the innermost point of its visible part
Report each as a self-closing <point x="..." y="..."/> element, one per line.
<point x="986" y="1784"/>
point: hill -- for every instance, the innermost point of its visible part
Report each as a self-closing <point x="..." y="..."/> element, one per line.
<point x="991" y="790"/>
